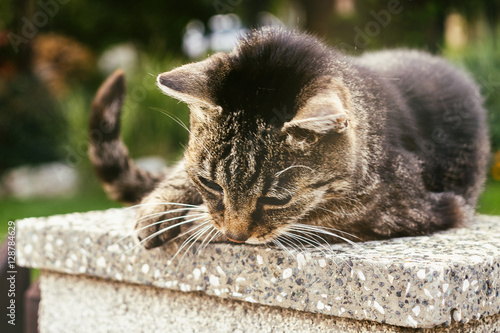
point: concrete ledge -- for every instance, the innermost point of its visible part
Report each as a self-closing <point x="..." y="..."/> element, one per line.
<point x="449" y="278"/>
<point x="87" y="304"/>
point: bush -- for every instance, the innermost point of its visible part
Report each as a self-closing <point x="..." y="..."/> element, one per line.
<point x="32" y="129"/>
<point x="482" y="60"/>
<point x="146" y="129"/>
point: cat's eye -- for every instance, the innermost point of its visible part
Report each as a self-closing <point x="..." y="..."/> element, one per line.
<point x="273" y="201"/>
<point x="211" y="185"/>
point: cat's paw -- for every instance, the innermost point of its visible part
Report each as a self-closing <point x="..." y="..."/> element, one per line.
<point x="158" y="223"/>
<point x="149" y="219"/>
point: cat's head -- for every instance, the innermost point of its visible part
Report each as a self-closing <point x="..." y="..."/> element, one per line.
<point x="271" y="132"/>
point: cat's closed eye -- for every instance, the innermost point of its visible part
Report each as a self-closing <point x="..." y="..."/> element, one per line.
<point x="211" y="185"/>
<point x="273" y="201"/>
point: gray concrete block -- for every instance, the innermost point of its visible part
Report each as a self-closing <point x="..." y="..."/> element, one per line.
<point x="84" y="304"/>
<point x="446" y="279"/>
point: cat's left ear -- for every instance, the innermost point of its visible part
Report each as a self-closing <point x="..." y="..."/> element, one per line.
<point x="322" y="114"/>
<point x="192" y="83"/>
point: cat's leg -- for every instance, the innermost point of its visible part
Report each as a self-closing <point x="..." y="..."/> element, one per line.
<point x="405" y="206"/>
<point x="420" y="215"/>
<point x="167" y="205"/>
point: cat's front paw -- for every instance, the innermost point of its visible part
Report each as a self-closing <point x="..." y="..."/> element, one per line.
<point x="158" y="223"/>
<point x="149" y="218"/>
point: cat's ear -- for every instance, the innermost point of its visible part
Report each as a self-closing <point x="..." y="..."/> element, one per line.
<point x="322" y="114"/>
<point x="192" y="83"/>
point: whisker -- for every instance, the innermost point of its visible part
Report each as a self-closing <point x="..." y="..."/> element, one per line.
<point x="189" y="239"/>
<point x="290" y="243"/>
<point x="316" y="229"/>
<point x="284" y="248"/>
<point x="300" y="235"/>
<point x="131" y="233"/>
<point x="279" y="173"/>
<point x="173" y="117"/>
<point x="299" y="226"/>
<point x="287" y="190"/>
<point x="181" y="123"/>
<point x="168" y="212"/>
<point x="192" y="239"/>
<point x="217" y="233"/>
<point x="290" y="253"/>
<point x="164" y="203"/>
<point x="316" y="244"/>
<point x="197" y="226"/>
<point x="162" y="231"/>
<point x="203" y="241"/>
<point x="355" y="245"/>
<point x="333" y="229"/>
<point x="310" y="241"/>
<point x="192" y="218"/>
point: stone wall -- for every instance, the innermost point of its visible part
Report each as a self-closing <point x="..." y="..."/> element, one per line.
<point x="92" y="268"/>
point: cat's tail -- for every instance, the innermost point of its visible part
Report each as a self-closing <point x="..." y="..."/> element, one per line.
<point x="121" y="178"/>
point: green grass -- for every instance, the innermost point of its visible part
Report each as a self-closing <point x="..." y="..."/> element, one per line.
<point x="15" y="209"/>
<point x="489" y="202"/>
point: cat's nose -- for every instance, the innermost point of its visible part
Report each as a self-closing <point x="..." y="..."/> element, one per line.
<point x="237" y="237"/>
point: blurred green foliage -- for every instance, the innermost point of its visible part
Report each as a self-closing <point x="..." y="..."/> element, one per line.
<point x="146" y="129"/>
<point x="32" y="127"/>
<point x="37" y="127"/>
<point x="102" y="23"/>
<point x="490" y="198"/>
<point x="154" y="25"/>
<point x="482" y="60"/>
<point x="420" y="24"/>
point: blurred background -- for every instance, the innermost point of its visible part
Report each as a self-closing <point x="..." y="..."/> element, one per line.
<point x="55" y="53"/>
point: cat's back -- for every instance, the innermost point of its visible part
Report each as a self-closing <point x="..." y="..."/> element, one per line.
<point x="418" y="73"/>
<point x="439" y="118"/>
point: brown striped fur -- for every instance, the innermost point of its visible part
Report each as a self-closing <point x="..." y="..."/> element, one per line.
<point x="285" y="130"/>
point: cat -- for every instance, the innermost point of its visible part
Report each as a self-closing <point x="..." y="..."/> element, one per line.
<point x="291" y="140"/>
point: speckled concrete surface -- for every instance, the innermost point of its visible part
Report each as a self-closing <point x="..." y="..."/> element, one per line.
<point x="447" y="278"/>
<point x="88" y="304"/>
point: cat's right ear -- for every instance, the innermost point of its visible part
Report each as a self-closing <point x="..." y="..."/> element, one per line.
<point x="192" y="83"/>
<point x="322" y="114"/>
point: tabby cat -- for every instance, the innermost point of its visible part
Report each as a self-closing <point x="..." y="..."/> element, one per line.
<point x="289" y="138"/>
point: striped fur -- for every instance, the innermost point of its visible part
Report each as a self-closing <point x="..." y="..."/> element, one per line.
<point x="121" y="178"/>
<point x="286" y="132"/>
